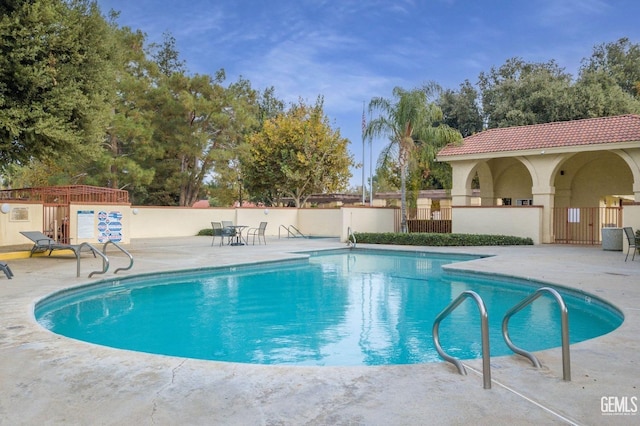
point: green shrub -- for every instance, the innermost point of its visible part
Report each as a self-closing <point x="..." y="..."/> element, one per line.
<point x="425" y="239"/>
<point x="207" y="232"/>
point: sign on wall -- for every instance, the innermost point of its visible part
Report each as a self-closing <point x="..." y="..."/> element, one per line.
<point x="109" y="226"/>
<point x="85" y="224"/>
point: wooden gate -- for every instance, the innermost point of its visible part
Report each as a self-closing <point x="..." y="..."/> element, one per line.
<point x="582" y="225"/>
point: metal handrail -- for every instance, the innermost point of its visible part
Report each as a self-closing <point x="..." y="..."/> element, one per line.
<point x="104" y="250"/>
<point x="105" y="259"/>
<point x="285" y="228"/>
<point x="290" y="232"/>
<point x="564" y="317"/>
<point x="350" y="235"/>
<point x="484" y="328"/>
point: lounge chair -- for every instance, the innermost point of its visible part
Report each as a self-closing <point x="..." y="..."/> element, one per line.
<point x="42" y="243"/>
<point x="5" y="268"/>
<point x="633" y="242"/>
<point x="259" y="232"/>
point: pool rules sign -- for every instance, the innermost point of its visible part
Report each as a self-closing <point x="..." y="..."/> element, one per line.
<point x="109" y="226"/>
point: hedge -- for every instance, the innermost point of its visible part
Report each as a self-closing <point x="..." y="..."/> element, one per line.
<point x="428" y="239"/>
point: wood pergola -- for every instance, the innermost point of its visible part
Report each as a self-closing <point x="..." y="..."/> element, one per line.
<point x="64" y="195"/>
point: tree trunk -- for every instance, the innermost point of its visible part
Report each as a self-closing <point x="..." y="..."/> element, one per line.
<point x="403" y="198"/>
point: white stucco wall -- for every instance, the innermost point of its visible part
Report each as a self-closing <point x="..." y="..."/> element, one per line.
<point x="320" y="222"/>
<point x="600" y="175"/>
<point x="511" y="181"/>
<point x="361" y="219"/>
<point x="12" y="222"/>
<point x="631" y="217"/>
<point x="516" y="221"/>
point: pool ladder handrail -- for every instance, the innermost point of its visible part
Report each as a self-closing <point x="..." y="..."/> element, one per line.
<point x="351" y="235"/>
<point x="105" y="259"/>
<point x="290" y="233"/>
<point x="484" y="328"/>
<point x="119" y="247"/>
<point x="564" y="318"/>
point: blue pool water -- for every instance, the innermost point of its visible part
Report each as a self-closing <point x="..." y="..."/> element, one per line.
<point x="358" y="307"/>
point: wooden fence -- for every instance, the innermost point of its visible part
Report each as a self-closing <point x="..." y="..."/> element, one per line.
<point x="425" y="220"/>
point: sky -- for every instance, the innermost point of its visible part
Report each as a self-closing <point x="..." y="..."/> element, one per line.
<point x="352" y="51"/>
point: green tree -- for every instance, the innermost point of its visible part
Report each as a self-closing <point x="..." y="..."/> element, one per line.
<point x="520" y="93"/>
<point x="128" y="141"/>
<point x="200" y="125"/>
<point x="609" y="81"/>
<point x="270" y="106"/>
<point x="242" y="112"/>
<point x="596" y="94"/>
<point x="409" y="121"/>
<point x="167" y="56"/>
<point x="461" y="109"/>
<point x="56" y="80"/>
<point x="620" y="61"/>
<point x="297" y="154"/>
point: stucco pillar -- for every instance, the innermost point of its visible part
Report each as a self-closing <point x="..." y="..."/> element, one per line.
<point x="487" y="198"/>
<point x="462" y="198"/>
<point x="636" y="191"/>
<point x="563" y="197"/>
<point x="461" y="182"/>
<point x="544" y="196"/>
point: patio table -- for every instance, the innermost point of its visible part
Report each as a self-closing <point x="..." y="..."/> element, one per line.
<point x="239" y="238"/>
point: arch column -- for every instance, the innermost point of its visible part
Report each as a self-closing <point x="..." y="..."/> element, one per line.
<point x="461" y="182"/>
<point x="632" y="158"/>
<point x="545" y="196"/>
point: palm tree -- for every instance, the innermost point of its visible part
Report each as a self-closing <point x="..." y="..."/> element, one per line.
<point x="409" y="122"/>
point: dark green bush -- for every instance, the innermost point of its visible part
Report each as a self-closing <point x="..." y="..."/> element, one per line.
<point x="424" y="239"/>
<point x="207" y="232"/>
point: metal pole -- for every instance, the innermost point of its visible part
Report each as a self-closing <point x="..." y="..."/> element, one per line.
<point x="363" y="187"/>
<point x="363" y="153"/>
<point x="370" y="169"/>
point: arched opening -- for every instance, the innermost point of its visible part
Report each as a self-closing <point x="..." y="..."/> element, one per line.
<point x="590" y="187"/>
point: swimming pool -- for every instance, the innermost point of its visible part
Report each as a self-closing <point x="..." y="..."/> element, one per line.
<point x="347" y="307"/>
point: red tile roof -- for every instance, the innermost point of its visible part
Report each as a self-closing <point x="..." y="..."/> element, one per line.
<point x="591" y="131"/>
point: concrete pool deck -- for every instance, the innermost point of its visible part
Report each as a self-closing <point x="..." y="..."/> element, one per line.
<point x="49" y="379"/>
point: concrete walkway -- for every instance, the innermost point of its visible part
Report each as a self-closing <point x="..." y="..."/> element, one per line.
<point x="47" y="379"/>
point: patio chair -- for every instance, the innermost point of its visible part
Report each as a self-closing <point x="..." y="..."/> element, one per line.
<point x="220" y="231"/>
<point x="228" y="231"/>
<point x="42" y="243"/>
<point x="5" y="268"/>
<point x="633" y="242"/>
<point x="217" y="232"/>
<point x="259" y="232"/>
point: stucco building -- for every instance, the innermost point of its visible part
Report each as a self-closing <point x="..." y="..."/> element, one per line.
<point x="558" y="169"/>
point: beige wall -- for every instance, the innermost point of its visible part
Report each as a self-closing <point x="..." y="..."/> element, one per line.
<point x="20" y="217"/>
<point x="599" y="176"/>
<point x="157" y="222"/>
<point x="361" y="219"/>
<point x="512" y="180"/>
<point x="152" y="222"/>
<point x="80" y="233"/>
<point x="516" y="221"/>
<point x="631" y="217"/>
<point x="320" y="222"/>
<point x="275" y="217"/>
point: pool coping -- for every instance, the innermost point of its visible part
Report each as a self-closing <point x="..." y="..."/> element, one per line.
<point x="55" y="380"/>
